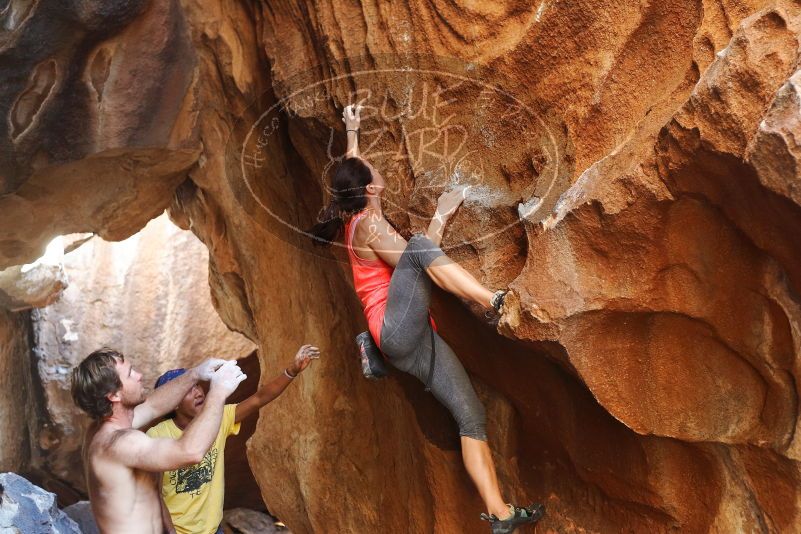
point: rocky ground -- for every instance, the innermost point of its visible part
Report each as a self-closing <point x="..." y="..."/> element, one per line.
<point x="28" y="509"/>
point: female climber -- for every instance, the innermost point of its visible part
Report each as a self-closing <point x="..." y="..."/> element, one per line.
<point x="393" y="281"/>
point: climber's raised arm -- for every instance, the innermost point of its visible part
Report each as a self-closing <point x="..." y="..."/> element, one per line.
<point x="352" y="119"/>
<point x="447" y="204"/>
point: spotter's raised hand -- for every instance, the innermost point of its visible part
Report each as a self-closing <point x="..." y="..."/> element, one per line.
<point x="303" y="358"/>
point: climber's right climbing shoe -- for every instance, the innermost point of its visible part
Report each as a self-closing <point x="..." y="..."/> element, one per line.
<point x="520" y="516"/>
<point x="497" y="299"/>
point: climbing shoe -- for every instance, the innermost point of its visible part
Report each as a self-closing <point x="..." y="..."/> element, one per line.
<point x="520" y="516"/>
<point x="497" y="299"/>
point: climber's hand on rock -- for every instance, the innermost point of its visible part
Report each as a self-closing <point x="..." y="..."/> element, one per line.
<point x="351" y="116"/>
<point x="226" y="378"/>
<point x="303" y="358"/>
<point x="205" y="370"/>
<point x="449" y="201"/>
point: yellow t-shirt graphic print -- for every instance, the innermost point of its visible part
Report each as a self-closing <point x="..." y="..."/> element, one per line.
<point x="191" y="479"/>
<point x="194" y="494"/>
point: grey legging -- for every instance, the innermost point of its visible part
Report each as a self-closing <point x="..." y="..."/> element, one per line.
<point x="406" y="339"/>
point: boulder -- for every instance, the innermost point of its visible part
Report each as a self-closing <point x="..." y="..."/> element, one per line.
<point x="29" y="509"/>
<point x="81" y="513"/>
<point x="634" y="184"/>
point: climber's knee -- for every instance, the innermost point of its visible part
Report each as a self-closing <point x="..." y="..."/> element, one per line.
<point x="473" y="424"/>
<point x="477" y="432"/>
<point x="421" y="251"/>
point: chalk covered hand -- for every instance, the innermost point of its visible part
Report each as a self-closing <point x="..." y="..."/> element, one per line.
<point x="351" y="116"/>
<point x="205" y="370"/>
<point x="449" y="201"/>
<point x="303" y="359"/>
<point x="227" y="378"/>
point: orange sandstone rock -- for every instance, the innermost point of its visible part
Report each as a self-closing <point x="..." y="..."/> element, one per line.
<point x="635" y="176"/>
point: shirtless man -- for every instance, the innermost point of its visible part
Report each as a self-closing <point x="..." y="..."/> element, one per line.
<point x="120" y="460"/>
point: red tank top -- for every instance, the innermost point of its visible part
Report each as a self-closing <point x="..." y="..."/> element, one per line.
<point x="371" y="280"/>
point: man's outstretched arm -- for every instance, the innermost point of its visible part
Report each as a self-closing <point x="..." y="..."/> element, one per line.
<point x="277" y="385"/>
<point x="136" y="449"/>
<point x="164" y="399"/>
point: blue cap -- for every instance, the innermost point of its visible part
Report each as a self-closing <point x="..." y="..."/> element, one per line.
<point x="172" y="374"/>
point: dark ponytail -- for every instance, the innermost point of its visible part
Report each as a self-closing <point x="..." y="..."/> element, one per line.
<point x="347" y="197"/>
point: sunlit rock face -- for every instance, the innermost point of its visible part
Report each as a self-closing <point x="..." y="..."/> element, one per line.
<point x="35" y="284"/>
<point x="147" y="297"/>
<point x="635" y="184"/>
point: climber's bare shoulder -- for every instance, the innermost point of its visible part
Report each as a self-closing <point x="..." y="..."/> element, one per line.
<point x="375" y="239"/>
<point x="124" y="499"/>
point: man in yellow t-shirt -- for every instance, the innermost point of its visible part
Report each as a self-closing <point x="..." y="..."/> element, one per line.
<point x="193" y="495"/>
